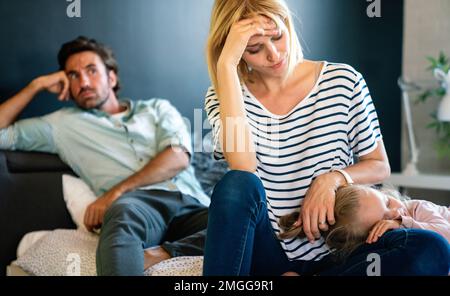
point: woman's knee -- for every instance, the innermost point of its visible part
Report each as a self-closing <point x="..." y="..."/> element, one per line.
<point x="239" y="186"/>
<point x="428" y="251"/>
<point x="431" y="242"/>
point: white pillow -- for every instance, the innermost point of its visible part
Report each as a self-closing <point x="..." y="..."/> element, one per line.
<point x="77" y="195"/>
<point x="28" y="240"/>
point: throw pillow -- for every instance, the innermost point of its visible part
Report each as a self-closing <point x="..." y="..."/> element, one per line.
<point x="77" y="195"/>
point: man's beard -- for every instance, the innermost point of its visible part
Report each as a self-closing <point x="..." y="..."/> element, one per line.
<point x="99" y="105"/>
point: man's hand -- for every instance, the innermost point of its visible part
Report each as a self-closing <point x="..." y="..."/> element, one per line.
<point x="380" y="228"/>
<point x="56" y="83"/>
<point x="93" y="217"/>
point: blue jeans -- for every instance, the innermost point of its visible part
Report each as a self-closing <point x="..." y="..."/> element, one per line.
<point x="241" y="241"/>
<point x="142" y="219"/>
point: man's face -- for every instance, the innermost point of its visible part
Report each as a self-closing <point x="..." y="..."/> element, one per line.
<point x="91" y="84"/>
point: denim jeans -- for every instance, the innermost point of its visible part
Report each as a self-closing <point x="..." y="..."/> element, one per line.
<point x="241" y="241"/>
<point x="142" y="219"/>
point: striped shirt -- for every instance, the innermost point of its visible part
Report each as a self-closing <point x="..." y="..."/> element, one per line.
<point x="333" y="124"/>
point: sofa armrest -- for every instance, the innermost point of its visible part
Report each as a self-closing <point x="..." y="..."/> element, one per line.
<point x="29" y="162"/>
<point x="31" y="198"/>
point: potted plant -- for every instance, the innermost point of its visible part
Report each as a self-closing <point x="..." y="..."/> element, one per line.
<point x="441" y="70"/>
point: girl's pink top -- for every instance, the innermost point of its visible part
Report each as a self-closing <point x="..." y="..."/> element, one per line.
<point x="427" y="215"/>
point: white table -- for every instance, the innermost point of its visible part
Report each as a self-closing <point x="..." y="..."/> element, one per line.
<point x="422" y="181"/>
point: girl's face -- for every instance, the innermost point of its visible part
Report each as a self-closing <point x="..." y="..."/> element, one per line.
<point x="268" y="55"/>
<point x="376" y="206"/>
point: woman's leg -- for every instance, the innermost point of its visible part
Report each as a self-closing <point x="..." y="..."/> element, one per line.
<point x="238" y="227"/>
<point x="399" y="252"/>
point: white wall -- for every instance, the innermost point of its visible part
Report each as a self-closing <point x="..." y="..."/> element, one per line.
<point x="426" y="33"/>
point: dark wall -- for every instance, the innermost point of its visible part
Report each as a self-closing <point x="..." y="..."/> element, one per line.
<point x="160" y="47"/>
<point x="341" y="31"/>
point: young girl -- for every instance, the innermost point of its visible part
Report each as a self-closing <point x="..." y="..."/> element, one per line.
<point x="364" y="214"/>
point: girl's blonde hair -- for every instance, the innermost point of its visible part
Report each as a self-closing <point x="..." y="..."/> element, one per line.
<point x="347" y="233"/>
<point x="227" y="12"/>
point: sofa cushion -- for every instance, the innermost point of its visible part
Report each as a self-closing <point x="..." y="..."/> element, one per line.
<point x="208" y="170"/>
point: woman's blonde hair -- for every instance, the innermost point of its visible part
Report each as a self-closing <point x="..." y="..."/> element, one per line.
<point x="347" y="233"/>
<point x="227" y="12"/>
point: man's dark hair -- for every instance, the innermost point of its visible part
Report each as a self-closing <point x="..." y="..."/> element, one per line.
<point x="83" y="43"/>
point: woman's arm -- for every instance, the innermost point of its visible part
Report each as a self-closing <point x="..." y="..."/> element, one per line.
<point x="235" y="135"/>
<point x="371" y="168"/>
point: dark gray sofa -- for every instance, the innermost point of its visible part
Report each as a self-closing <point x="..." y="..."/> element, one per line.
<point x="31" y="196"/>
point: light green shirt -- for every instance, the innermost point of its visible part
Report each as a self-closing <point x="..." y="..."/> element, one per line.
<point x="103" y="149"/>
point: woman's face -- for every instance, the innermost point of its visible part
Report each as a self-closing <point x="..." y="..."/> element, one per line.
<point x="376" y="206"/>
<point x="268" y="55"/>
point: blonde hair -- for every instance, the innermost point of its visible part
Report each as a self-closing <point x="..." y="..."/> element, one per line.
<point x="347" y="233"/>
<point x="227" y="12"/>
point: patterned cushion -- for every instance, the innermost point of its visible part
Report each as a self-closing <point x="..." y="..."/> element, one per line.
<point x="59" y="252"/>
<point x="178" y="266"/>
<point x="208" y="171"/>
<point x="72" y="253"/>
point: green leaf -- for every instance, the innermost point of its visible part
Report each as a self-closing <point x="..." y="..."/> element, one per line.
<point x="442" y="129"/>
<point x="442" y="58"/>
<point x="423" y="97"/>
<point x="431" y="60"/>
<point x="446" y="68"/>
<point x="443" y="149"/>
<point x="440" y="92"/>
<point x="431" y="125"/>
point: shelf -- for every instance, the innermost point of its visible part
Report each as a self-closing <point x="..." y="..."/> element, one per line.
<point x="423" y="181"/>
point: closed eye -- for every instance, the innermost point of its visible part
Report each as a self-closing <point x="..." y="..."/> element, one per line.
<point x="276" y="38"/>
<point x="254" y="50"/>
<point x="387" y="200"/>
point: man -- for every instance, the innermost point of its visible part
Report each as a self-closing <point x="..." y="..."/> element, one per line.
<point x="134" y="155"/>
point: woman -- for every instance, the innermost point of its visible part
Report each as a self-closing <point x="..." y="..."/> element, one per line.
<point x="284" y="125"/>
